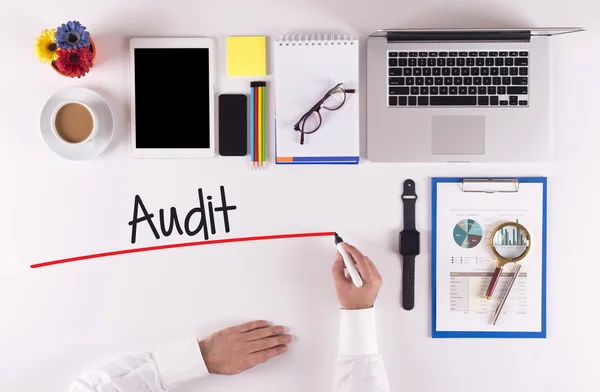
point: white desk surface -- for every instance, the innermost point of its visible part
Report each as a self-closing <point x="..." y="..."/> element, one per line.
<point x="58" y="322"/>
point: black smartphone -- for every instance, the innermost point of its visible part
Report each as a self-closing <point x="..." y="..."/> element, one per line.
<point x="233" y="125"/>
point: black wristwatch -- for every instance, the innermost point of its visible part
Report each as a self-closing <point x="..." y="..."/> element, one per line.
<point x="409" y="245"/>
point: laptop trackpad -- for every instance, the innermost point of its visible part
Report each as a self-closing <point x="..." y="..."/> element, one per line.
<point x="458" y="135"/>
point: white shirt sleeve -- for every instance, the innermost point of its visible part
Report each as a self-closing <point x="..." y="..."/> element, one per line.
<point x="360" y="366"/>
<point x="160" y="371"/>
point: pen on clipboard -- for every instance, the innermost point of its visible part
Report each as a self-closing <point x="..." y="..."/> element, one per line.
<point x="506" y="293"/>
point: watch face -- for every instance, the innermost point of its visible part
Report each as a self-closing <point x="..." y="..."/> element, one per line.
<point x="410" y="243"/>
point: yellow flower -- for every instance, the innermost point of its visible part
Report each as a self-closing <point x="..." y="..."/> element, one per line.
<point x="45" y="47"/>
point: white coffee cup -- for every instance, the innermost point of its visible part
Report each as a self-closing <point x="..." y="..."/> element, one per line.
<point x="89" y="140"/>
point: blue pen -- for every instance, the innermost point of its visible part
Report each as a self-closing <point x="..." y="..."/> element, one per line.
<point x="252" y="123"/>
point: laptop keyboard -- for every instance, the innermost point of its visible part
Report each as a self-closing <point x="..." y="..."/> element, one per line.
<point x="478" y="79"/>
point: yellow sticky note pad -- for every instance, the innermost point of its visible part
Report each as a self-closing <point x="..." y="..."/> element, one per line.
<point x="246" y="56"/>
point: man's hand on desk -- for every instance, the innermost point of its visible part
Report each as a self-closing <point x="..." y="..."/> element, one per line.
<point x="350" y="296"/>
<point x="239" y="348"/>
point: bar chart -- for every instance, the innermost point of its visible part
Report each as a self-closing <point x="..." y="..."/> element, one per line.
<point x="510" y="236"/>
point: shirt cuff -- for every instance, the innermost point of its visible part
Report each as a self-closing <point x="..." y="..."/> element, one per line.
<point x="179" y="364"/>
<point x="358" y="332"/>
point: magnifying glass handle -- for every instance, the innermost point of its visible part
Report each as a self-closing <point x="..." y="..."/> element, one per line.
<point x="493" y="282"/>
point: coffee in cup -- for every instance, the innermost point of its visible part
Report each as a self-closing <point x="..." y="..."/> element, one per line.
<point x="74" y="122"/>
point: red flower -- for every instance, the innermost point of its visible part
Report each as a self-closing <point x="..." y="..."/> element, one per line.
<point x="76" y="62"/>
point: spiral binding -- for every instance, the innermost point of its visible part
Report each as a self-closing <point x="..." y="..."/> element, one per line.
<point x="315" y="39"/>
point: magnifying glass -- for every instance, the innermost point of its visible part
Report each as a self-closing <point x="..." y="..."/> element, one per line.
<point x="510" y="242"/>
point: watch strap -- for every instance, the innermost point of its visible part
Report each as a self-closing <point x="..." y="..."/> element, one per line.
<point x="409" y="197"/>
<point x="408" y="282"/>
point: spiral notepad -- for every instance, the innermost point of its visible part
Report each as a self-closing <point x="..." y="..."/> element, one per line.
<point x="307" y="66"/>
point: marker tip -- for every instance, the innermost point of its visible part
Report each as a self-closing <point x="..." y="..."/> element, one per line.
<point x="337" y="238"/>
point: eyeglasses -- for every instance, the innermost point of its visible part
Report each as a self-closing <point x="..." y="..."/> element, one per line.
<point x="311" y="121"/>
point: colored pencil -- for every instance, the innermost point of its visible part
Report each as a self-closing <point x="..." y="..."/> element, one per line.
<point x="260" y="124"/>
<point x="251" y="123"/>
<point x="264" y="122"/>
<point x="255" y="125"/>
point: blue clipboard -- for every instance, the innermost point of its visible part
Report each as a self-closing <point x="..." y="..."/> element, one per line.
<point x="485" y="334"/>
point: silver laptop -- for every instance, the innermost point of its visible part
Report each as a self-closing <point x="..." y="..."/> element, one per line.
<point x="459" y="95"/>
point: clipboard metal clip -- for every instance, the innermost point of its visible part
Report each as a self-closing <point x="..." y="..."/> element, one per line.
<point x="490" y="185"/>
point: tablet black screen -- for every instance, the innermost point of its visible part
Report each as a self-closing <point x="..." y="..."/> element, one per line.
<point x="172" y="98"/>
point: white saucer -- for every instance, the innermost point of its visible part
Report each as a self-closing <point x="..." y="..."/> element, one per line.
<point x="82" y="151"/>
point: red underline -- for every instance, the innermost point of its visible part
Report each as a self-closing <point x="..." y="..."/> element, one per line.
<point x="181" y="245"/>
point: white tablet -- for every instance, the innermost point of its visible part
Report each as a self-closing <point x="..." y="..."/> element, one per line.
<point x="172" y="98"/>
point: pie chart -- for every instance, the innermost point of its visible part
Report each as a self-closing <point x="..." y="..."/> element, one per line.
<point x="467" y="233"/>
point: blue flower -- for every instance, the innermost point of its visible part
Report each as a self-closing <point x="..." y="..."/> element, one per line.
<point x="72" y="35"/>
